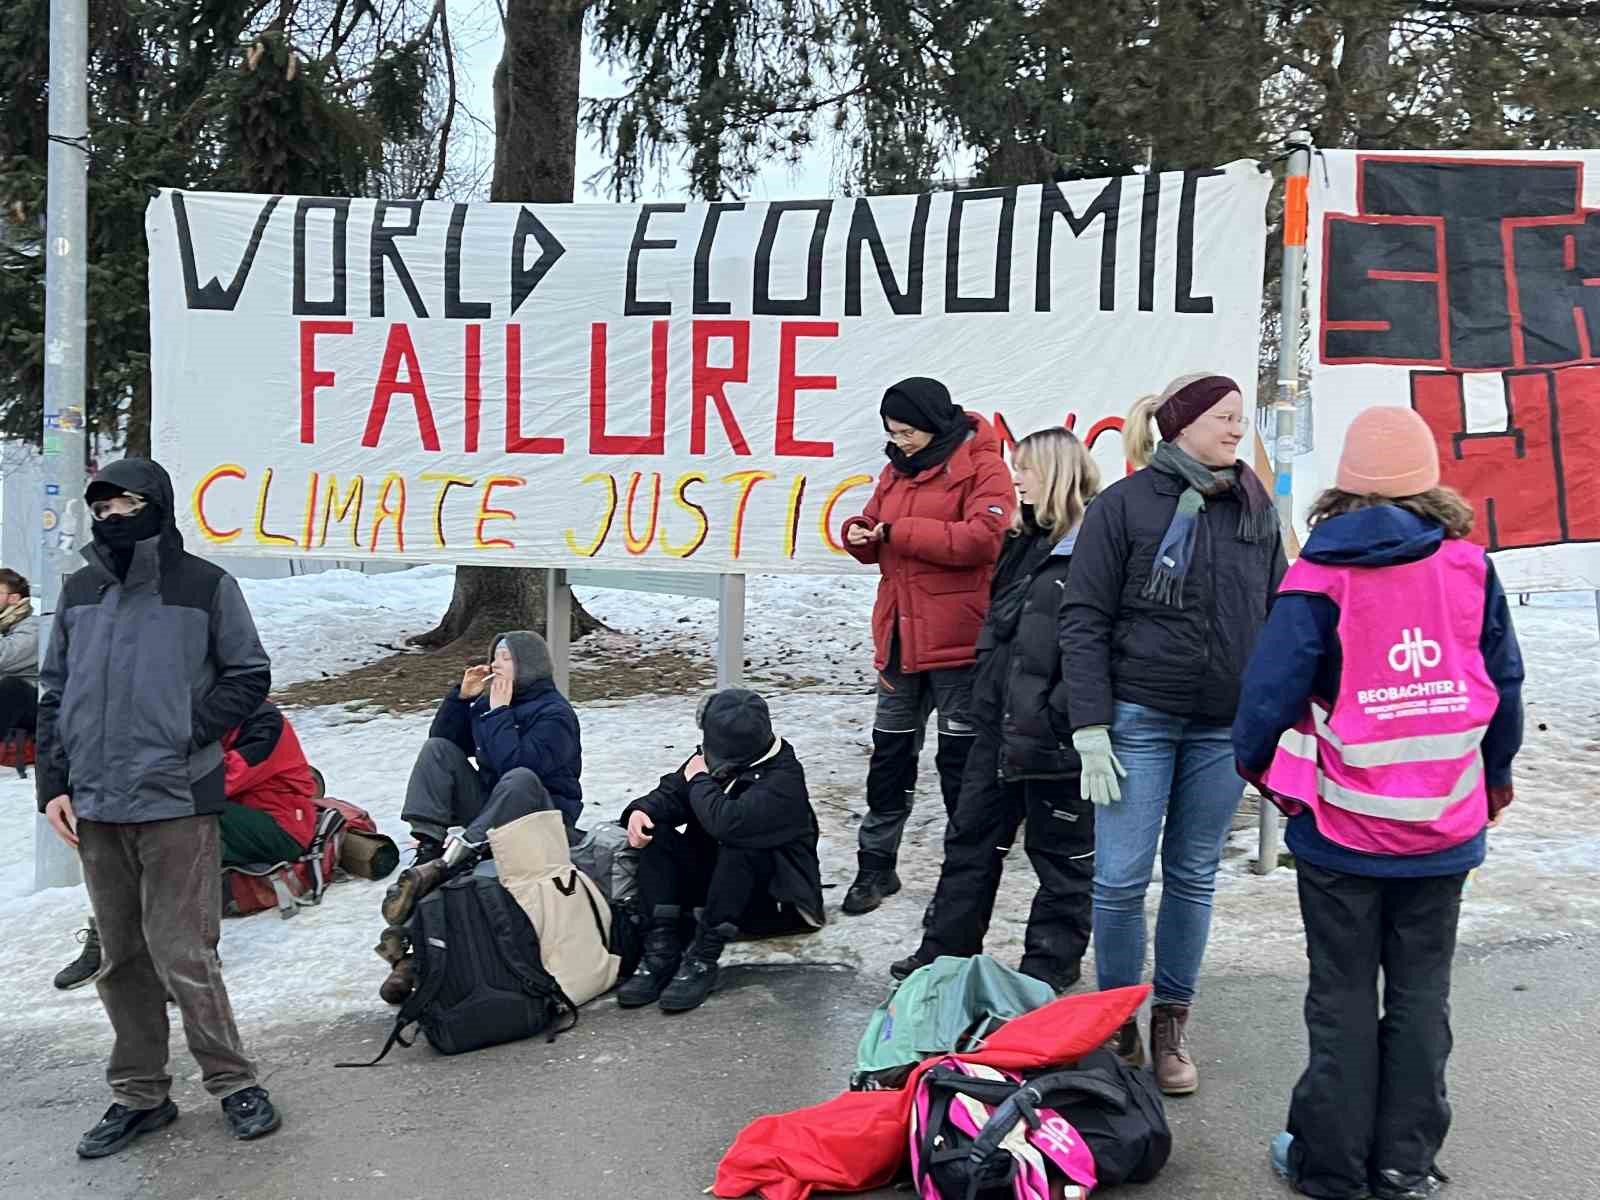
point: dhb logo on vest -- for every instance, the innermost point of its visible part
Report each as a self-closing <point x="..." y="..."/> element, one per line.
<point x="1413" y="652"/>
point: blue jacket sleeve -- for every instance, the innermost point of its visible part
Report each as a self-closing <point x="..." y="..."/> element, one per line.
<point x="1502" y="656"/>
<point x="453" y="721"/>
<point x="549" y="741"/>
<point x="1291" y="664"/>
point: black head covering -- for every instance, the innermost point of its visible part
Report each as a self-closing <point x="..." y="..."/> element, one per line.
<point x="120" y="536"/>
<point x="735" y="730"/>
<point x="923" y="404"/>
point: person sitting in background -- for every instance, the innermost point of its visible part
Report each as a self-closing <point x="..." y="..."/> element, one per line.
<point x="269" y="815"/>
<point x="732" y="834"/>
<point x="19" y="656"/>
<point x="507" y="715"/>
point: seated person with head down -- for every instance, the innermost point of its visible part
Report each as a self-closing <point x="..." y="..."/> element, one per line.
<point x="728" y="849"/>
<point x="270" y="812"/>
<point x="503" y="744"/>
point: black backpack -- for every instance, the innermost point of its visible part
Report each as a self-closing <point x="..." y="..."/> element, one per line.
<point x="480" y="980"/>
<point x="1115" y="1109"/>
<point x="627" y="935"/>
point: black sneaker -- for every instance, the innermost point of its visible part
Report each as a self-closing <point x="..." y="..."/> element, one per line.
<point x="689" y="988"/>
<point x="908" y="964"/>
<point x="871" y="888"/>
<point x="121" y="1125"/>
<point x="250" y="1114"/>
<point x="86" y="966"/>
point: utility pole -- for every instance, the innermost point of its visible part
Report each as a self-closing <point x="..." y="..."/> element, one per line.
<point x="1288" y="404"/>
<point x="65" y="519"/>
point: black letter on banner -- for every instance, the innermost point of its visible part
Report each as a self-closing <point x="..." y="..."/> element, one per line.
<point x="1382" y="293"/>
<point x="454" y="306"/>
<point x="704" y="305"/>
<point x="340" y="207"/>
<point x="1182" y="300"/>
<point x="864" y="232"/>
<point x="1053" y="204"/>
<point x="1474" y="199"/>
<point x="383" y="247"/>
<point x="523" y="277"/>
<point x="954" y="301"/>
<point x="1149" y="219"/>
<point x="632" y="306"/>
<point x="213" y="296"/>
<point x="1558" y="302"/>
<point x="762" y="303"/>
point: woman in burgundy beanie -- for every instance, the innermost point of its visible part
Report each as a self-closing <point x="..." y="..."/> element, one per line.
<point x="1169" y="587"/>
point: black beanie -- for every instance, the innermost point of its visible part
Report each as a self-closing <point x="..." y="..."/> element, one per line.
<point x="735" y="730"/>
<point x="922" y="404"/>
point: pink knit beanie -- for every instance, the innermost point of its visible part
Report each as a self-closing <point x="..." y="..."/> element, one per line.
<point x="1388" y="452"/>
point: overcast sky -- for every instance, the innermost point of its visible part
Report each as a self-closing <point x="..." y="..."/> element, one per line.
<point x="475" y="26"/>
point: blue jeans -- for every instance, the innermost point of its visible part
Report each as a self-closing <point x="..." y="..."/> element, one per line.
<point x="1181" y="792"/>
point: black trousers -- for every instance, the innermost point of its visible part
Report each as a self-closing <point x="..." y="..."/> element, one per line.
<point x="1059" y="839"/>
<point x="19" y="705"/>
<point x="1372" y="1097"/>
<point x="691" y="870"/>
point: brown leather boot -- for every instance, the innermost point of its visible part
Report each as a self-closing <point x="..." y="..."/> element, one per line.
<point x="1127" y="1045"/>
<point x="394" y="943"/>
<point x="1169" y="1050"/>
<point x="414" y="883"/>
<point x="401" y="983"/>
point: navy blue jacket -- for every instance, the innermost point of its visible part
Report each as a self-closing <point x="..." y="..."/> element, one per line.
<point x="537" y="730"/>
<point x="1298" y="657"/>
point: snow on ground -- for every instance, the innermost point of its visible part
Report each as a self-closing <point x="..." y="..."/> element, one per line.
<point x="1542" y="878"/>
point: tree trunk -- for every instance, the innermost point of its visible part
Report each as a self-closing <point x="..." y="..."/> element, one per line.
<point x="535" y="158"/>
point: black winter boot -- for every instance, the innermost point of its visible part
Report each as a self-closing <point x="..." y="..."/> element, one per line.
<point x="86" y="966"/>
<point x="914" y="961"/>
<point x="664" y="940"/>
<point x="697" y="975"/>
<point x="874" y="884"/>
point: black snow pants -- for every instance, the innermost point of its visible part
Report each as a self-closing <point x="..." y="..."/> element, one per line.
<point x="1372" y="1097"/>
<point x="730" y="884"/>
<point x="1059" y="839"/>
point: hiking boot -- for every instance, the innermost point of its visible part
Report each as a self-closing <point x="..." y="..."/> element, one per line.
<point x="663" y="951"/>
<point x="402" y="981"/>
<point x="427" y="850"/>
<point x="84" y="968"/>
<point x="1400" y="1185"/>
<point x="414" y="883"/>
<point x="1127" y="1045"/>
<point x="697" y="974"/>
<point x="250" y="1114"/>
<point x="911" y="962"/>
<point x="121" y="1125"/>
<point x="1169" y="1050"/>
<point x="872" y="887"/>
<point x="1061" y="982"/>
<point x="394" y="943"/>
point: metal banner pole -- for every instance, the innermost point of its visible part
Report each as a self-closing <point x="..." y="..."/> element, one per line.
<point x="65" y="308"/>
<point x="558" y="626"/>
<point x="730" y="631"/>
<point x="1296" y="214"/>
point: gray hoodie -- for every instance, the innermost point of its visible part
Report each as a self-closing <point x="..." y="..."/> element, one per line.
<point x="19" y="650"/>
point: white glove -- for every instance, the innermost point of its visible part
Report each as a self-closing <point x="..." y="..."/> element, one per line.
<point x="1101" y="770"/>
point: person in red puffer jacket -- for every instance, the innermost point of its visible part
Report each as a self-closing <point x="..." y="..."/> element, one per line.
<point x="934" y="527"/>
<point x="269" y="815"/>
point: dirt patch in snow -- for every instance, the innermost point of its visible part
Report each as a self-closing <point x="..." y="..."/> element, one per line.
<point x="605" y="666"/>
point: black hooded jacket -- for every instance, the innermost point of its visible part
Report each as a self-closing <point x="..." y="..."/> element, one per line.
<point x="145" y="673"/>
<point x="766" y="806"/>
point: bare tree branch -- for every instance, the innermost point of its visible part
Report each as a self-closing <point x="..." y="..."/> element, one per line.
<point x="449" y="108"/>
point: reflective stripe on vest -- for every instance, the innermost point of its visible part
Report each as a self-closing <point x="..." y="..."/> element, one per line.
<point x="1423" y="747"/>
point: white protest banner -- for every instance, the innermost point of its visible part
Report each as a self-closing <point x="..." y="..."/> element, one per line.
<point x="1467" y="286"/>
<point x="679" y="386"/>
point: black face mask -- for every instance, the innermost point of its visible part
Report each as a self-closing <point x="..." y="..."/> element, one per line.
<point x="122" y="534"/>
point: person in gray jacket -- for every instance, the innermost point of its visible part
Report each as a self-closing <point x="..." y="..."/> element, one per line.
<point x="19" y="656"/>
<point x="152" y="658"/>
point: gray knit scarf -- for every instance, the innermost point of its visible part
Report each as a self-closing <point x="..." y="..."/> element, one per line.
<point x="1257" y="519"/>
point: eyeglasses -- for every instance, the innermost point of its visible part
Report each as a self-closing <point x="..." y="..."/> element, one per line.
<point x="125" y="505"/>
<point x="904" y="435"/>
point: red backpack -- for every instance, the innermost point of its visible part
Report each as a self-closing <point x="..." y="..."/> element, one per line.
<point x="299" y="883"/>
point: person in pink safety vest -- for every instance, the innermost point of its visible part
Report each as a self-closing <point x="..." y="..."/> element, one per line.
<point x="1381" y="711"/>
